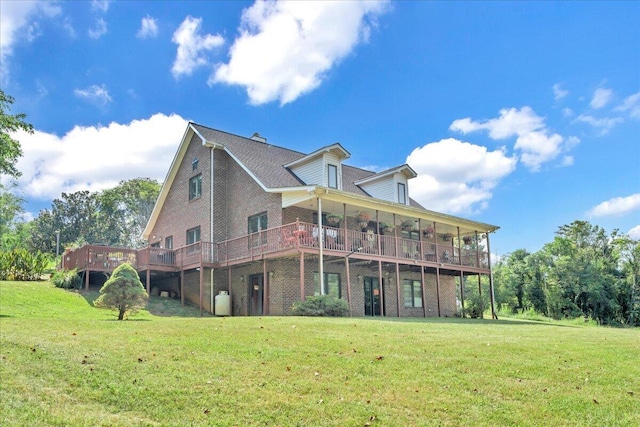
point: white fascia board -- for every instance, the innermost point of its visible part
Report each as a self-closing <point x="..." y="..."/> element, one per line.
<point x="310" y="156"/>
<point x="399" y="169"/>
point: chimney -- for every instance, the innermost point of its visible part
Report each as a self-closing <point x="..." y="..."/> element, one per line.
<point x="256" y="137"/>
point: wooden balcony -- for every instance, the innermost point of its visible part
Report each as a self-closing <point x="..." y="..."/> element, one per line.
<point x="282" y="241"/>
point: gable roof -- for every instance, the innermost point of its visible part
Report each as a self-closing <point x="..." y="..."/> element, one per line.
<point x="405" y="169"/>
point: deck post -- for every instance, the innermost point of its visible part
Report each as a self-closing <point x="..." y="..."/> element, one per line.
<point x="346" y="266"/>
<point x="382" y="307"/>
<point x="201" y="295"/>
<point x="480" y="294"/>
<point x="265" y="288"/>
<point x="302" y="296"/>
<point x="424" y="292"/>
<point x="148" y="280"/>
<point x="493" y="308"/>
<point x="462" y="291"/>
<point x="438" y="289"/>
<point x="398" y="288"/>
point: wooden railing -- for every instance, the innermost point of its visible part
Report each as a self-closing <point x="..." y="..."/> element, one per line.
<point x="298" y="235"/>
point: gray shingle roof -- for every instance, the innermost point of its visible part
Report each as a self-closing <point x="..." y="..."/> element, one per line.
<point x="266" y="161"/>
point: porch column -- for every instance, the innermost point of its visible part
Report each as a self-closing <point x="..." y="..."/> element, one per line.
<point x="201" y="296"/>
<point x="398" y="288"/>
<point x="480" y="294"/>
<point x="493" y="298"/>
<point x="321" y="244"/>
<point x="382" y="307"/>
<point x="346" y="266"/>
<point x="148" y="281"/>
<point x="302" y="296"/>
<point x="424" y="292"/>
<point x="462" y="291"/>
<point x="229" y="282"/>
<point x="265" y="288"/>
<point x="87" y="272"/>
<point x="438" y="289"/>
<point x="181" y="285"/>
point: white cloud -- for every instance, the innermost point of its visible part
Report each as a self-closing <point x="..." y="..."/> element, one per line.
<point x="19" y="21"/>
<point x="148" y="28"/>
<point x="558" y="92"/>
<point x="95" y="94"/>
<point x="191" y="46"/>
<point x="456" y="176"/>
<point x="567" y="112"/>
<point x="567" y="161"/>
<point x="601" y="97"/>
<point x="634" y="233"/>
<point x="603" y="125"/>
<point x="100" y="5"/>
<point x="94" y="158"/>
<point x="632" y="105"/>
<point x="99" y="30"/>
<point x="285" y="48"/>
<point x="616" y="206"/>
<point x="534" y="140"/>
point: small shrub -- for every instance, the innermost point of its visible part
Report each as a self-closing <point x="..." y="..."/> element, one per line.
<point x="66" y="279"/>
<point x="123" y="292"/>
<point x="320" y="305"/>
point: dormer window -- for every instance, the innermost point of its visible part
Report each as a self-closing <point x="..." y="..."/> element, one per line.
<point x="332" y="171"/>
<point x="402" y="193"/>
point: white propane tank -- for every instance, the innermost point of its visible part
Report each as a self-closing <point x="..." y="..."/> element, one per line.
<point x="223" y="304"/>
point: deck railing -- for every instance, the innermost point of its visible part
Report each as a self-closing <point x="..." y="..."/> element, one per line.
<point x="298" y="235"/>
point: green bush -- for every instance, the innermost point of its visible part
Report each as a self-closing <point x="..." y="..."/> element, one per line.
<point x="321" y="305"/>
<point x="66" y="279"/>
<point x="22" y="265"/>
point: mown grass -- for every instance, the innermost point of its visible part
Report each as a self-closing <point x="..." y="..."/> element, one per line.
<point x="64" y="362"/>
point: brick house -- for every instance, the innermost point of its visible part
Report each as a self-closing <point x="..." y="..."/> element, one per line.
<point x="271" y="226"/>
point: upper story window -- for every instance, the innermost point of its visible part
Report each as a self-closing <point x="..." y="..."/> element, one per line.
<point x="332" y="171"/>
<point x="257" y="222"/>
<point x="402" y="193"/>
<point x="168" y="242"/>
<point x="193" y="235"/>
<point x="195" y="187"/>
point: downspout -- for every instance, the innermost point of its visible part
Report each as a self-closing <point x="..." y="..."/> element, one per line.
<point x="321" y="243"/>
<point x="211" y="203"/>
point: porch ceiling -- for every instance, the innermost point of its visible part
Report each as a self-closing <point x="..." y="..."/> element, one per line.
<point x="334" y="200"/>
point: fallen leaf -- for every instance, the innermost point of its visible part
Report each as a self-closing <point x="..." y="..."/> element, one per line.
<point x="630" y="393"/>
<point x="545" y="390"/>
<point x="288" y="368"/>
<point x="372" y="418"/>
<point x="73" y="333"/>
<point x="596" y="402"/>
<point x="140" y="359"/>
<point x="379" y="357"/>
<point x="206" y="411"/>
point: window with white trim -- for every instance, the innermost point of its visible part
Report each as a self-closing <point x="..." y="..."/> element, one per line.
<point x="332" y="171"/>
<point x="402" y="193"/>
<point x="195" y="187"/>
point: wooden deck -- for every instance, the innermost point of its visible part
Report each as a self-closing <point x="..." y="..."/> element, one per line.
<point x="283" y="241"/>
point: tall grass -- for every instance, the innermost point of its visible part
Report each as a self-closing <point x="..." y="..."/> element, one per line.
<point x="64" y="362"/>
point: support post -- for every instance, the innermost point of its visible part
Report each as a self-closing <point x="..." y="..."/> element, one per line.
<point x="462" y="291"/>
<point x="480" y="294"/>
<point x="424" y="292"/>
<point x="321" y="245"/>
<point x="398" y="288"/>
<point x="346" y="266"/>
<point x="265" y="288"/>
<point x="302" y="296"/>
<point x="493" y="298"/>
<point x="380" y="281"/>
<point x="148" y="281"/>
<point x="438" y="289"/>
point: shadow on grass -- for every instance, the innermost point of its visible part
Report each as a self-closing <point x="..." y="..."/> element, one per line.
<point x="156" y="306"/>
<point x="472" y="322"/>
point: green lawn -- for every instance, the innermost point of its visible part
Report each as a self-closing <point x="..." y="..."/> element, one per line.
<point x="66" y="363"/>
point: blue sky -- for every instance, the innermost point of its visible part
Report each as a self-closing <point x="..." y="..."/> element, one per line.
<point x="521" y="114"/>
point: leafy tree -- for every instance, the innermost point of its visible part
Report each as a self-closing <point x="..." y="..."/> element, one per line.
<point x="10" y="211"/>
<point x="10" y="149"/>
<point x="123" y="292"/>
<point x="125" y="211"/>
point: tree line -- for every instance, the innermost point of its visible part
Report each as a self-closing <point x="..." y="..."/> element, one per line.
<point x="582" y="272"/>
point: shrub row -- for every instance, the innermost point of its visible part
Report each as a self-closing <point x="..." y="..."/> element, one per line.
<point x="20" y="264"/>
